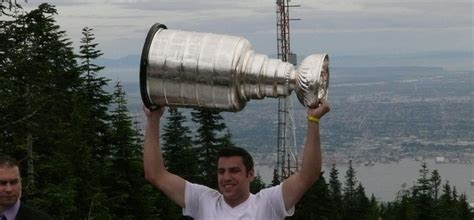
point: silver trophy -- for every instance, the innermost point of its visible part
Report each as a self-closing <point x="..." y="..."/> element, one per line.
<point x="190" y="69"/>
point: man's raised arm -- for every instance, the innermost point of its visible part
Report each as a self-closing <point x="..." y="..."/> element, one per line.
<point x="155" y="171"/>
<point x="296" y="185"/>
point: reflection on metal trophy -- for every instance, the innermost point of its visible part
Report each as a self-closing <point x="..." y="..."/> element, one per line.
<point x="190" y="69"/>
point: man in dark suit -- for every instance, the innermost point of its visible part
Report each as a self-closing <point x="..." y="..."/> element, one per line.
<point x="11" y="208"/>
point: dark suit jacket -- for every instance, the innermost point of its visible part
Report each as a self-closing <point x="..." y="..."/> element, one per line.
<point x="27" y="213"/>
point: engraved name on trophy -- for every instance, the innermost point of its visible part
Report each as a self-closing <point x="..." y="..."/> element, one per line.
<point x="191" y="69"/>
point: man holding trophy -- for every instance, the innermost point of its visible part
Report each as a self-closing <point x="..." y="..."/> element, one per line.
<point x="189" y="69"/>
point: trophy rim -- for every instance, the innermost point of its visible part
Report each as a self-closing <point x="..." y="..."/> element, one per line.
<point x="144" y="65"/>
<point x="313" y="79"/>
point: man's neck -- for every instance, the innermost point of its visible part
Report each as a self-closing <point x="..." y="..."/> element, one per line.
<point x="234" y="203"/>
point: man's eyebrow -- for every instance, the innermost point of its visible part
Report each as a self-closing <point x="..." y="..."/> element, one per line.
<point x="230" y="168"/>
<point x="11" y="181"/>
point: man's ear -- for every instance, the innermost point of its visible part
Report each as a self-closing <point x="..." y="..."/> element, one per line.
<point x="252" y="174"/>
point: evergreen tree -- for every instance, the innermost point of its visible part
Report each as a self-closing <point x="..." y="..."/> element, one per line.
<point x="335" y="193"/>
<point x="40" y="73"/>
<point x="276" y="179"/>
<point x="447" y="193"/>
<point x="179" y="156"/>
<point x="349" y="194"/>
<point x="435" y="184"/>
<point x="408" y="209"/>
<point x="401" y="208"/>
<point x="178" y="152"/>
<point x="454" y="193"/>
<point x="91" y="118"/>
<point x="257" y="184"/>
<point x="422" y="195"/>
<point x="463" y="209"/>
<point x="126" y="186"/>
<point x="95" y="100"/>
<point x="226" y="140"/>
<point x="208" y="141"/>
<point x="419" y="202"/>
<point x="315" y="203"/>
<point x="445" y="203"/>
<point x="455" y="201"/>
<point x="373" y="212"/>
<point x="362" y="203"/>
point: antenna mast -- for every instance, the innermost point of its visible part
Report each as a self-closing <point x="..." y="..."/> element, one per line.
<point x="287" y="161"/>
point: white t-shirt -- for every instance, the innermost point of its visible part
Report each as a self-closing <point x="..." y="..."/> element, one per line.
<point x="204" y="203"/>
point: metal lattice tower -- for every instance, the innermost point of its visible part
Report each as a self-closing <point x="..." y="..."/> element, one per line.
<point x="287" y="162"/>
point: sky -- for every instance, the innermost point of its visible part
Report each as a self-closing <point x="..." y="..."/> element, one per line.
<point x="336" y="27"/>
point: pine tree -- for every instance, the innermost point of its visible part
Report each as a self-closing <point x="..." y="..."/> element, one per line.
<point x="454" y="193"/>
<point x="404" y="205"/>
<point x="94" y="98"/>
<point x="435" y="184"/>
<point x="362" y="203"/>
<point x="91" y="117"/>
<point x="349" y="194"/>
<point x="208" y="141"/>
<point x="275" y="179"/>
<point x="463" y="209"/>
<point x="126" y="186"/>
<point x="178" y="151"/>
<point x="41" y="74"/>
<point x="335" y="193"/>
<point x="315" y="203"/>
<point x="257" y="184"/>
<point x="445" y="203"/>
<point x="373" y="212"/>
<point x="422" y="195"/>
<point x="179" y="155"/>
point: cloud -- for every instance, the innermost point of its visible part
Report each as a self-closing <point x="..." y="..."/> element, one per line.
<point x="342" y="26"/>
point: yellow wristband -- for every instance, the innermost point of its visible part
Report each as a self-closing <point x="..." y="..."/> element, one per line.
<point x="313" y="119"/>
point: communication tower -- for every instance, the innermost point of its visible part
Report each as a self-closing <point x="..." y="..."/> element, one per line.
<point x="287" y="162"/>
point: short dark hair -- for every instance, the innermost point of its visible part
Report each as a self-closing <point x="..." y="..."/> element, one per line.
<point x="7" y="161"/>
<point x="237" y="151"/>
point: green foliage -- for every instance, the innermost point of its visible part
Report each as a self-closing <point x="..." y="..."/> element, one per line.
<point x="125" y="183"/>
<point x="211" y="136"/>
<point x="92" y="100"/>
<point x="315" y="204"/>
<point x="373" y="209"/>
<point x="257" y="184"/>
<point x="422" y="195"/>
<point x="349" y="194"/>
<point x="40" y="75"/>
<point x="421" y="202"/>
<point x="435" y="182"/>
<point x="335" y="194"/>
<point x="275" y="179"/>
<point x="179" y="155"/>
<point x="79" y="160"/>
<point x="178" y="151"/>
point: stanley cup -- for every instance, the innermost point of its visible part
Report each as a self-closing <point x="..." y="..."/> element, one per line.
<point x="190" y="69"/>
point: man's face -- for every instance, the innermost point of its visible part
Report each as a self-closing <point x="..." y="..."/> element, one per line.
<point x="233" y="179"/>
<point x="10" y="186"/>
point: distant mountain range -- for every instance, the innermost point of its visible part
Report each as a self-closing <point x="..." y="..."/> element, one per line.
<point x="129" y="61"/>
